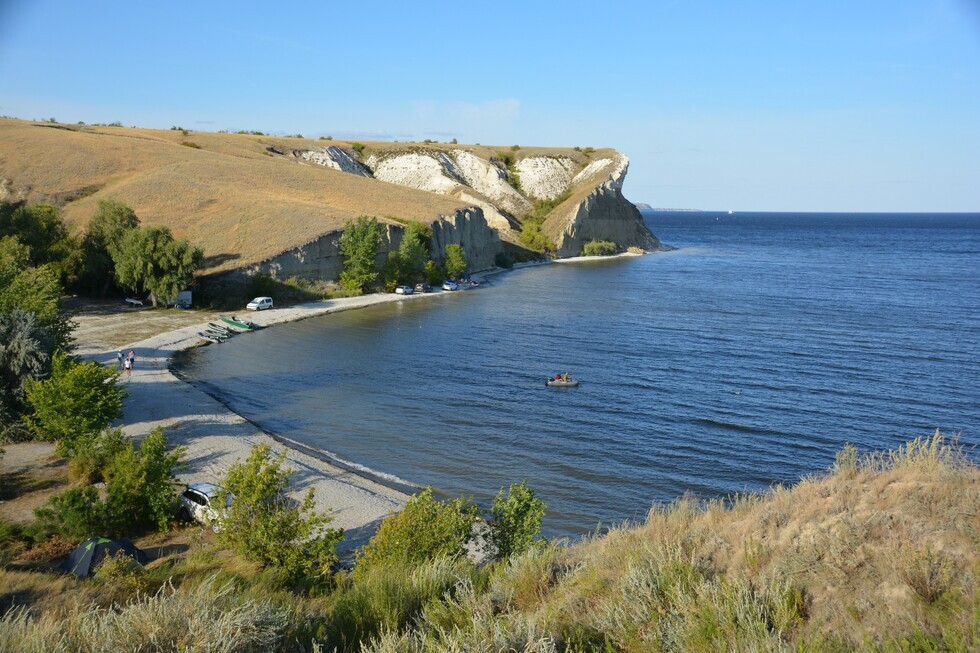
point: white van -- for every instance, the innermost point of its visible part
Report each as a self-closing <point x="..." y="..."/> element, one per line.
<point x="260" y="304"/>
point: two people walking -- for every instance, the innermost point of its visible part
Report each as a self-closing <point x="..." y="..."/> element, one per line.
<point x="128" y="363"/>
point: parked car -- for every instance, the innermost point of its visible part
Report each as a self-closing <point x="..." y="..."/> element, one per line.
<point x="198" y="502"/>
<point x="403" y="290"/>
<point x="423" y="288"/>
<point x="259" y="304"/>
<point x="450" y="285"/>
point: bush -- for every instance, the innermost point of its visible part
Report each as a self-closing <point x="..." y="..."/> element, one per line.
<point x="455" y="261"/>
<point x="425" y="530"/>
<point x="599" y="248"/>
<point x="141" y="484"/>
<point x="515" y="521"/>
<point x="90" y="461"/>
<point x="74" y="404"/>
<point x="357" y="147"/>
<point x="265" y="526"/>
<point x="434" y="274"/>
<point x="534" y="238"/>
<point x="190" y="144"/>
<point x="76" y="514"/>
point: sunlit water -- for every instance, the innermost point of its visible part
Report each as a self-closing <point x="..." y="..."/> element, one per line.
<point x="746" y="357"/>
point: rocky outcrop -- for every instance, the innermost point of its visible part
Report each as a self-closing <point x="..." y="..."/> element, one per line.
<point x="336" y="158"/>
<point x="545" y="177"/>
<point x="604" y="214"/>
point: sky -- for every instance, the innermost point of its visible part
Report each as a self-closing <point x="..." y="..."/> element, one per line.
<point x="756" y="105"/>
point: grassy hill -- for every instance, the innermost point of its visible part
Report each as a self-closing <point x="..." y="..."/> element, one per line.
<point x="880" y="554"/>
<point x="228" y="194"/>
<point x="242" y="198"/>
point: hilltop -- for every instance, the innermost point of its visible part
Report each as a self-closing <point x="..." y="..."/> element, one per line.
<point x="276" y="204"/>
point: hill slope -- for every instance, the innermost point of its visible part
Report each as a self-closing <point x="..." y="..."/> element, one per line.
<point x="249" y="199"/>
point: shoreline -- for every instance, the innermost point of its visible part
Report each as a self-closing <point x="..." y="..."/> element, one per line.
<point x="215" y="436"/>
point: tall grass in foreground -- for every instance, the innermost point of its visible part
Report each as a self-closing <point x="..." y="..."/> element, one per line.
<point x="882" y="554"/>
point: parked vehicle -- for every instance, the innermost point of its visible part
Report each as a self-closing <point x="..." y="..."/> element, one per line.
<point x="403" y="290"/>
<point x="260" y="304"/>
<point x="198" y="502"/>
<point x="450" y="285"/>
<point x="423" y="288"/>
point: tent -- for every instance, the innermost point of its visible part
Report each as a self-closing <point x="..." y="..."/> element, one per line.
<point x="87" y="555"/>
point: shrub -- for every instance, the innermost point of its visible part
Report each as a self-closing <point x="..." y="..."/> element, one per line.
<point x="599" y="248"/>
<point x="425" y="530"/>
<point x="357" y="147"/>
<point x="359" y="245"/>
<point x="265" y="526"/>
<point x="534" y="238"/>
<point x="455" y="261"/>
<point x="74" y="404"/>
<point x="434" y="274"/>
<point x="90" y="461"/>
<point x="140" y="484"/>
<point x="515" y="521"/>
<point x="77" y="514"/>
<point x="190" y="144"/>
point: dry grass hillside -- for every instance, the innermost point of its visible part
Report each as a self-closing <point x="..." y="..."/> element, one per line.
<point x="881" y="554"/>
<point x="228" y="194"/>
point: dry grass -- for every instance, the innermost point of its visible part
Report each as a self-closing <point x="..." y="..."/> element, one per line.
<point x="230" y="195"/>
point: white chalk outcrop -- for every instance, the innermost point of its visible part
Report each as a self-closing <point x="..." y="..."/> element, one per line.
<point x="434" y="172"/>
<point x="491" y="181"/>
<point x="336" y="158"/>
<point x="545" y="177"/>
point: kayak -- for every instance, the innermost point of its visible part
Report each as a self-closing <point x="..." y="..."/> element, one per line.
<point x="560" y="383"/>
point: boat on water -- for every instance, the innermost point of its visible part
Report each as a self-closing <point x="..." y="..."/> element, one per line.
<point x="241" y="325"/>
<point x="561" y="381"/>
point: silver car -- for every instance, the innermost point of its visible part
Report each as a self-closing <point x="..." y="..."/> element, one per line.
<point x="198" y="502"/>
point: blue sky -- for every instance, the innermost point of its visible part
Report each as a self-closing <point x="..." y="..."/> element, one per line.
<point x="775" y="105"/>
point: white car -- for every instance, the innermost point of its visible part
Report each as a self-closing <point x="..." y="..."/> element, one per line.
<point x="450" y="285"/>
<point x="403" y="290"/>
<point x="260" y="304"/>
<point x="198" y="502"/>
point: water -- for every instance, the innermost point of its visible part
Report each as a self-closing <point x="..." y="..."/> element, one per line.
<point x="747" y="357"/>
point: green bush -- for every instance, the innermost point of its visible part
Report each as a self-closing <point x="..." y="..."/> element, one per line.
<point x="515" y="522"/>
<point x="265" y="526"/>
<point x="141" y="484"/>
<point x="190" y="144"/>
<point x="534" y="239"/>
<point x="359" y="245"/>
<point x="425" y="530"/>
<point x="91" y="460"/>
<point x="357" y="147"/>
<point x="77" y="514"/>
<point x="74" y="404"/>
<point x="455" y="261"/>
<point x="599" y="248"/>
<point x="434" y="274"/>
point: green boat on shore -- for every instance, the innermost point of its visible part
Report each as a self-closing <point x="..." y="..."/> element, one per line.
<point x="241" y="325"/>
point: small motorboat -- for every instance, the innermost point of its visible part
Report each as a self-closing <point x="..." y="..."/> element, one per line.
<point x="241" y="325"/>
<point x="564" y="381"/>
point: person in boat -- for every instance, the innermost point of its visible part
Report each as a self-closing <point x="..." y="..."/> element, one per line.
<point x="565" y="377"/>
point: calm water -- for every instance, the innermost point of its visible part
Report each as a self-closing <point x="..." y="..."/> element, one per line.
<point x="749" y="356"/>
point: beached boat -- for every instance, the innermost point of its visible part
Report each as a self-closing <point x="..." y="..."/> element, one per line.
<point x="211" y="337"/>
<point x="220" y="328"/>
<point x="241" y="325"/>
<point x="561" y="383"/>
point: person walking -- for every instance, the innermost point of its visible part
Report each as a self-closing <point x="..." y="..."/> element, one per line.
<point x="128" y="366"/>
<point x="131" y="357"/>
<point x="119" y="359"/>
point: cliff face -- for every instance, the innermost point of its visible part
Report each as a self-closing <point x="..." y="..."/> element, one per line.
<point x="603" y="214"/>
<point x="320" y="258"/>
<point x="585" y="191"/>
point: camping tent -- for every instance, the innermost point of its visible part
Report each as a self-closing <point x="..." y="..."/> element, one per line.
<point x="87" y="555"/>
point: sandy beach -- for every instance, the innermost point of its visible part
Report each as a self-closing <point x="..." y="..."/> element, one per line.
<point x="215" y="437"/>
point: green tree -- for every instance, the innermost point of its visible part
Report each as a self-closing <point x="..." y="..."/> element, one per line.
<point x="426" y="529"/>
<point x="264" y="525"/>
<point x="514" y="521"/>
<point x="74" y="404"/>
<point x="25" y="354"/>
<point x="141" y="484"/>
<point x="110" y="223"/>
<point x="455" y="261"/>
<point x="41" y="229"/>
<point x="150" y="259"/>
<point x="38" y="291"/>
<point x="434" y="274"/>
<point x="413" y="251"/>
<point x="359" y="245"/>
